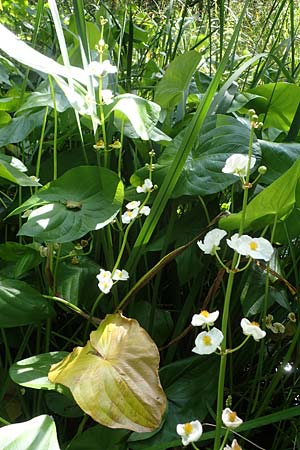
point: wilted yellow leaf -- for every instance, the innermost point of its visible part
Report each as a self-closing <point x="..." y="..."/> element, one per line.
<point x="114" y="378"/>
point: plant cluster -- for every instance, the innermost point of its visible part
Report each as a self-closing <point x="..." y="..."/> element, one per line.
<point x="149" y="201"/>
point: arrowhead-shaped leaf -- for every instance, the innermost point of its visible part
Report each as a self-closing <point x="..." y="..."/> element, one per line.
<point x="114" y="378"/>
<point x="85" y="198"/>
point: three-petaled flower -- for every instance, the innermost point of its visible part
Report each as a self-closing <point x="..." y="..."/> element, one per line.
<point x="190" y="431"/>
<point x="252" y="329"/>
<point x="204" y="319"/>
<point x="207" y="342"/>
<point x="231" y="419"/>
<point x="256" y="248"/>
<point x="98" y="69"/>
<point x="237" y="164"/>
<point x="211" y="241"/>
<point x="146" y="186"/>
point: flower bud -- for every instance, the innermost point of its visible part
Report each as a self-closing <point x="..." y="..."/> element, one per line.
<point x="262" y="170"/>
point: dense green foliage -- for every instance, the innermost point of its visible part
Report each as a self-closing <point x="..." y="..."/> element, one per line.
<point x="95" y="98"/>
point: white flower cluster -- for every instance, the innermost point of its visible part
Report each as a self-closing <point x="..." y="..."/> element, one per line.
<point x="133" y="210"/>
<point x="237" y="164"/>
<point x="107" y="279"/>
<point x="98" y="69"/>
<point x="256" y="248"/>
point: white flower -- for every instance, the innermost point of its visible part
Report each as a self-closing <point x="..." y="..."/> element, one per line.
<point x="107" y="96"/>
<point x="237" y="164"/>
<point x="230" y="418"/>
<point x="133" y="205"/>
<point x="146" y="187"/>
<point x="252" y="329"/>
<point x="120" y="275"/>
<point x="204" y="318"/>
<point x="233" y="446"/>
<point x="208" y="341"/>
<point x="98" y="69"/>
<point x="129" y="215"/>
<point x="190" y="431"/>
<point x="211" y="241"/>
<point x="105" y="281"/>
<point x="256" y="248"/>
<point x="145" y="210"/>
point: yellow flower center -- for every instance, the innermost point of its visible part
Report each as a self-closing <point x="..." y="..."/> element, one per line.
<point x="236" y="446"/>
<point x="253" y="245"/>
<point x="204" y="313"/>
<point x="188" y="428"/>
<point x="206" y="340"/>
<point x="255" y="324"/>
<point x="232" y="416"/>
<point x="129" y="213"/>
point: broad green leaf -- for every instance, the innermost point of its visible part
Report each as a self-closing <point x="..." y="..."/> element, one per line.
<point x="62" y="405"/>
<point x="190" y="386"/>
<point x="41" y="99"/>
<point x="114" y="378"/>
<point x="78" y="282"/>
<point x="33" y="372"/>
<point x="20" y="127"/>
<point x="136" y="112"/>
<point x="20" y="304"/>
<point x="275" y="201"/>
<point x="25" y="257"/>
<point x="35" y="434"/>
<point x="12" y="169"/>
<point x="170" y="89"/>
<point x="202" y="174"/>
<point x="100" y="438"/>
<point x="278" y="157"/>
<point x="279" y="104"/>
<point x="85" y="198"/>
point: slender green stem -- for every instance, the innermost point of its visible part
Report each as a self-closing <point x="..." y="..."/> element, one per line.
<point x="40" y="150"/>
<point x="194" y="446"/>
<point x="55" y="129"/>
<point x="225" y="439"/>
<point x="235" y="349"/>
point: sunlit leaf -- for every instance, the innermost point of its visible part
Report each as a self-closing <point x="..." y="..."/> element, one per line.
<point x="33" y="372"/>
<point x="12" y="169"/>
<point x="83" y="199"/>
<point x="170" y="89"/>
<point x="20" y="127"/>
<point x="35" y="434"/>
<point x="114" y="377"/>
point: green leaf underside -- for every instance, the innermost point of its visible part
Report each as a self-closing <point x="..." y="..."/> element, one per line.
<point x="114" y="378"/>
<point x="20" y="304"/>
<point x="38" y="433"/>
<point x="83" y="199"/>
<point x="276" y="200"/>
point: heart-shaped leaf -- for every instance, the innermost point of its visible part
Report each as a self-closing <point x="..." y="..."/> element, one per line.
<point x="35" y="434"/>
<point x="20" y="304"/>
<point x="85" y="198"/>
<point x="114" y="378"/>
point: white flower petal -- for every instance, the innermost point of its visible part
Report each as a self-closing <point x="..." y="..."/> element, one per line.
<point x="256" y="248"/>
<point x="146" y="186"/>
<point x="252" y="329"/>
<point x="207" y="342"/>
<point x="204" y="318"/>
<point x="129" y="215"/>
<point x="212" y="241"/>
<point x="132" y="205"/>
<point x="120" y="275"/>
<point x="145" y="210"/>
<point x="237" y="164"/>
<point x="231" y="419"/>
<point x="190" y="431"/>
